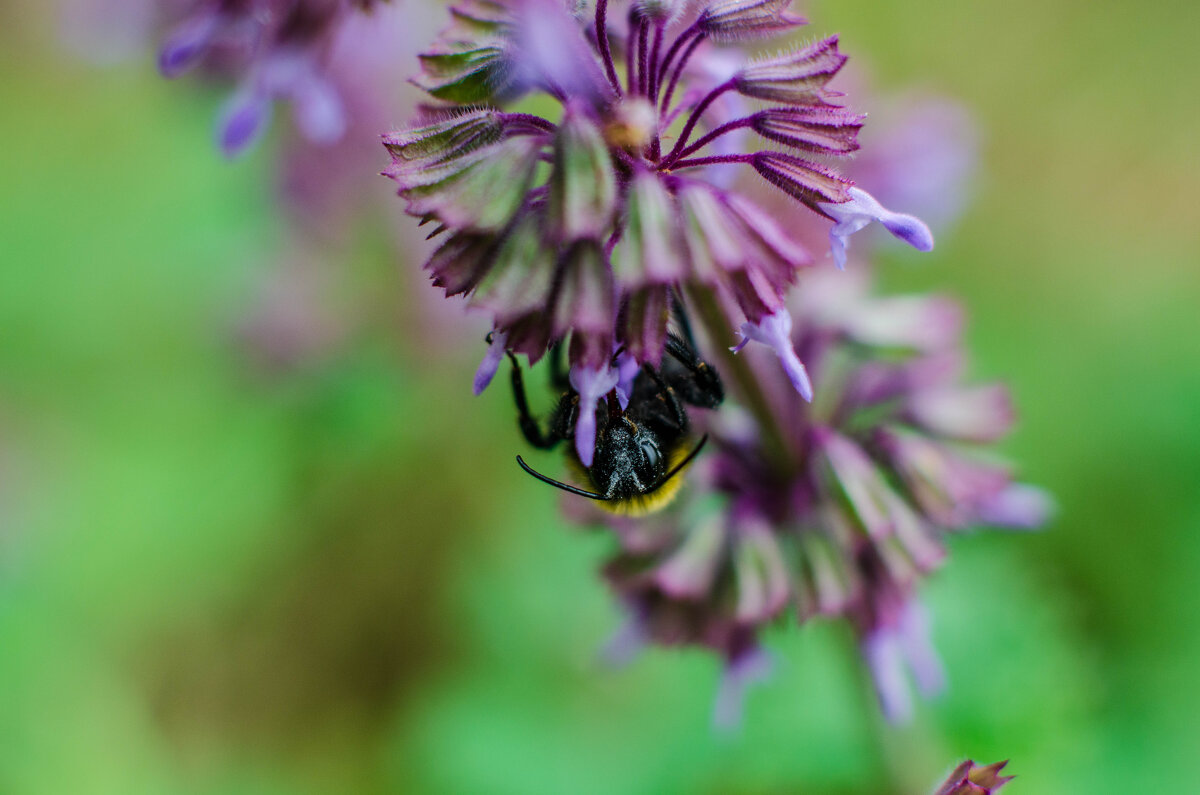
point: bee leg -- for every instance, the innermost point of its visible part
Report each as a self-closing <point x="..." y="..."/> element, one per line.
<point x="525" y="419"/>
<point x="558" y="373"/>
<point x="681" y="319"/>
<point x="705" y="389"/>
<point x="562" y="421"/>
<point x="669" y="396"/>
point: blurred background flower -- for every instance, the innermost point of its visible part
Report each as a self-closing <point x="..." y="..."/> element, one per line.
<point x="335" y="578"/>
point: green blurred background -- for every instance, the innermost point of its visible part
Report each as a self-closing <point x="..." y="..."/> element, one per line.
<point x="223" y="576"/>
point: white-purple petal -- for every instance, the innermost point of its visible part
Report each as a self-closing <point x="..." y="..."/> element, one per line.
<point x="491" y="361"/>
<point x="318" y="110"/>
<point x="748" y="667"/>
<point x="592" y="386"/>
<point x="187" y="43"/>
<point x="1019" y="506"/>
<point x="860" y="211"/>
<point x="243" y="121"/>
<point x="775" y="332"/>
<point x="627" y="371"/>
<point x="626" y="643"/>
<point x="885" y="659"/>
<point x="916" y="644"/>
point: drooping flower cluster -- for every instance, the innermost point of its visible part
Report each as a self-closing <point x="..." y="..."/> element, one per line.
<point x="835" y="510"/>
<point x="278" y="49"/>
<point x="587" y="228"/>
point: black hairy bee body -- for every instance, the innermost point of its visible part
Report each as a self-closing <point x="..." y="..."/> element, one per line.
<point x="641" y="448"/>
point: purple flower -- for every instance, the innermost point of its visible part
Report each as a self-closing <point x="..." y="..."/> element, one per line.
<point x="497" y="344"/>
<point x="775" y="332"/>
<point x="746" y="667"/>
<point x="838" y="510"/>
<point x="590" y="232"/>
<point x="861" y="209"/>
<point x="592" y="386"/>
<point x="592" y="228"/>
<point x="890" y="649"/>
<point x="278" y="50"/>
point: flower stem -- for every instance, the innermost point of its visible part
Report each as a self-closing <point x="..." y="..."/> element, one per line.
<point x="644" y="58"/>
<point x="695" y="118"/>
<point x="530" y="119"/>
<point x="705" y="161"/>
<point x="602" y="42"/>
<point x="666" y="100"/>
<point x="636" y="56"/>
<point x="736" y="124"/>
<point x="652" y="89"/>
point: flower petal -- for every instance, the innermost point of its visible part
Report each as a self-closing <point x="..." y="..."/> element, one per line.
<point x="592" y="385"/>
<point x="775" y="331"/>
<point x="491" y="361"/>
<point x="861" y="210"/>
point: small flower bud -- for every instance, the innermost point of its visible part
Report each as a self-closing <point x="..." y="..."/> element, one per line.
<point x="585" y="297"/>
<point x="690" y="572"/>
<point x="811" y="128"/>
<point x="794" y="78"/>
<point x="732" y="20"/>
<point x="463" y="75"/>
<point x="480" y="191"/>
<point x="445" y="138"/>
<point x="1019" y="506"/>
<point x="521" y="278"/>
<point x="972" y="779"/>
<point x="969" y="413"/>
<point x="661" y="12"/>
<point x="802" y="179"/>
<point x="759" y="571"/>
<point x="925" y="323"/>
<point x="643" y="326"/>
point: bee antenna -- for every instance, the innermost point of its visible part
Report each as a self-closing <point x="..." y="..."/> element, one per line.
<point x="560" y="485"/>
<point x="678" y="467"/>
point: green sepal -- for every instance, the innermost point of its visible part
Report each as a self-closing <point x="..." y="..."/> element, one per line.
<point x="583" y="189"/>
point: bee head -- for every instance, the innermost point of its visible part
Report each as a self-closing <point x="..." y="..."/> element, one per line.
<point x="629" y="461"/>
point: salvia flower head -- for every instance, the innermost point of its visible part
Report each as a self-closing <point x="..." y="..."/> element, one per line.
<point x="835" y="510"/>
<point x="279" y="50"/>
<point x="586" y="227"/>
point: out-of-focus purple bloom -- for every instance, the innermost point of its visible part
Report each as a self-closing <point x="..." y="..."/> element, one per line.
<point x="593" y="230"/>
<point x="921" y="153"/>
<point x="107" y="31"/>
<point x="899" y="646"/>
<point x="745" y="668"/>
<point x="1019" y="506"/>
<point x="277" y="50"/>
<point x="290" y="324"/>
<point x="847" y="517"/>
<point x="589" y="229"/>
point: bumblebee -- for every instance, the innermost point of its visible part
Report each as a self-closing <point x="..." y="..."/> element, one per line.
<point x="639" y="449"/>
